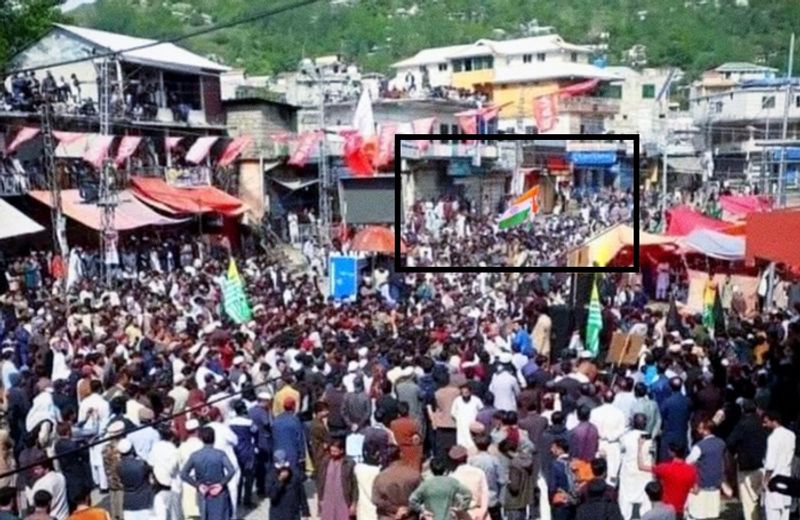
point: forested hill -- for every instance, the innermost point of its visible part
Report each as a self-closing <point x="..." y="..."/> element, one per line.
<point x="692" y="34"/>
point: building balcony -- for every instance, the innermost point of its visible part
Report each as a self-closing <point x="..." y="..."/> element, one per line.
<point x="589" y="105"/>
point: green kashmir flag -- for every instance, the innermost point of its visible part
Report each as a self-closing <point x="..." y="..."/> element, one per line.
<point x="234" y="299"/>
<point x="594" y="322"/>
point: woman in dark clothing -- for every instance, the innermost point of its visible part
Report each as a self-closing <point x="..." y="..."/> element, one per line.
<point x="74" y="465"/>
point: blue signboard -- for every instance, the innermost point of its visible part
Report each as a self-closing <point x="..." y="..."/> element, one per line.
<point x="459" y="168"/>
<point x="592" y="159"/>
<point x="792" y="155"/>
<point x="343" y="276"/>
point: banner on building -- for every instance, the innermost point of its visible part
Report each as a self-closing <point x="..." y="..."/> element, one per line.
<point x="423" y="126"/>
<point x="200" y="149"/>
<point x="545" y="111"/>
<point x="234" y="149"/>
<point x="98" y="150"/>
<point x="306" y="144"/>
<point x="188" y="177"/>
<point x="343" y="277"/>
<point x="385" y="144"/>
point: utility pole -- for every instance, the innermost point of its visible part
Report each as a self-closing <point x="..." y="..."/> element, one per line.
<point x="782" y="165"/>
<point x="107" y="196"/>
<point x="787" y="101"/>
<point x="325" y="216"/>
<point x="56" y="213"/>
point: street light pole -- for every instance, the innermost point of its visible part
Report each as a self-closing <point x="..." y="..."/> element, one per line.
<point x="787" y="101"/>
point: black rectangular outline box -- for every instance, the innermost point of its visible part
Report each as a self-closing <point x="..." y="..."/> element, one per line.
<point x="398" y="267"/>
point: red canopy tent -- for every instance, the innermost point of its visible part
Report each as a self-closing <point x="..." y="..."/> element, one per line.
<point x="768" y="236"/>
<point x="376" y="239"/>
<point x="682" y="220"/>
<point x="203" y="199"/>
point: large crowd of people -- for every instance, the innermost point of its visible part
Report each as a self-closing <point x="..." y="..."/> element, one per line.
<point x="449" y="231"/>
<point x="428" y="396"/>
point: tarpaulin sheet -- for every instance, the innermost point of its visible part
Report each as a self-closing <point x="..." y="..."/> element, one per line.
<point x="203" y="199"/>
<point x="130" y="212"/>
<point x="15" y="223"/>
<point x="744" y="204"/>
<point x="682" y="220"/>
<point x="769" y="236"/>
<point x="715" y="244"/>
<point x="604" y="247"/>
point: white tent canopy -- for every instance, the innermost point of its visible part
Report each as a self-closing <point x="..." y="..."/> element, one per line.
<point x="15" y="223"/>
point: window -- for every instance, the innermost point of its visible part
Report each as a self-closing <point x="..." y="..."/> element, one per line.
<point x="767" y="102"/>
<point x="467" y="64"/>
<point x="797" y="101"/>
<point x="527" y="58"/>
<point x="610" y="91"/>
<point x="531" y="130"/>
<point x="442" y="67"/>
<point x="540" y="56"/>
<point x="573" y="57"/>
<point x="648" y="91"/>
<point x="458" y="65"/>
<point x="444" y="130"/>
<point x="717" y="107"/>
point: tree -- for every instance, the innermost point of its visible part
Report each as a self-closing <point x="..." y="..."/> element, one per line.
<point x="23" y="22"/>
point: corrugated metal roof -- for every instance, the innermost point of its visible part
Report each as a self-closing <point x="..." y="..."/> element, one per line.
<point x="742" y="66"/>
<point x="164" y="53"/>
<point x="434" y="55"/>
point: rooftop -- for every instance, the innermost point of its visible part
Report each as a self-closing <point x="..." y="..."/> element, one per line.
<point x="533" y="44"/>
<point x="742" y="66"/>
<point x="163" y="54"/>
<point x="545" y="71"/>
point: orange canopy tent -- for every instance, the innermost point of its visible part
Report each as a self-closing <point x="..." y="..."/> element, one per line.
<point x="376" y="239"/>
<point x="203" y="199"/>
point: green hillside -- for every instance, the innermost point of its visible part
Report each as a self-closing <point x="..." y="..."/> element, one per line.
<point x="694" y="35"/>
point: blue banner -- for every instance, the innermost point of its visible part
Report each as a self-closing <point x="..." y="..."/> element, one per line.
<point x="343" y="275"/>
<point x="592" y="159"/>
<point x="792" y="155"/>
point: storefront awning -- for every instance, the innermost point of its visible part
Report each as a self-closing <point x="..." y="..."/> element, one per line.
<point x="130" y="212"/>
<point x="15" y="223"/>
<point x="203" y="199"/>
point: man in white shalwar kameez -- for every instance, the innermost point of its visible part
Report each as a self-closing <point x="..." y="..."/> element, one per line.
<point x="610" y="423"/>
<point x="97" y="419"/>
<point x="632" y="480"/>
<point x="778" y="461"/>
<point x="464" y="411"/>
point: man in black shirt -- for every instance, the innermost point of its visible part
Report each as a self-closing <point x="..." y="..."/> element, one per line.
<point x="748" y="443"/>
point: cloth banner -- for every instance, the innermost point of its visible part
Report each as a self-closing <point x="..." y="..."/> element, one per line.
<point x="423" y="126"/>
<point x="359" y="153"/>
<point x="469" y="125"/>
<point x="172" y="142"/>
<point x="200" y="149"/>
<point x="25" y="134"/>
<point x="98" y="150"/>
<point x="66" y="138"/>
<point x="234" y="149"/>
<point x="682" y="220"/>
<point x="385" y="144"/>
<point x="578" y="89"/>
<point x="545" y="111"/>
<point x="748" y="285"/>
<point x="127" y="146"/>
<point x="307" y="142"/>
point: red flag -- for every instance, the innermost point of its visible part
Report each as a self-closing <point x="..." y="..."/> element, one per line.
<point x="423" y="126"/>
<point x="358" y="153"/>
<point x="307" y="142"/>
<point x="67" y="137"/>
<point x="234" y="149"/>
<point x="385" y="144"/>
<point x="545" y="111"/>
<point x="172" y="142"/>
<point x="126" y="148"/>
<point x="98" y="150"/>
<point x="25" y="134"/>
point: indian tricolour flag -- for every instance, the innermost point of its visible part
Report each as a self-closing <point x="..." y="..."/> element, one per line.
<point x="516" y="214"/>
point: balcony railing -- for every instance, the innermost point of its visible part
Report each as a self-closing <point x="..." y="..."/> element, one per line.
<point x="589" y="105"/>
